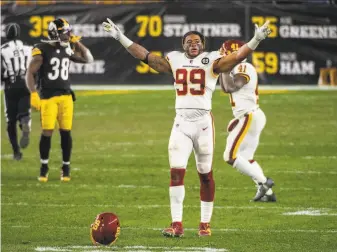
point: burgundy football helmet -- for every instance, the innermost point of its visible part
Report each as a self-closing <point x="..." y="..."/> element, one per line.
<point x="232" y="45"/>
<point x="105" y="229"/>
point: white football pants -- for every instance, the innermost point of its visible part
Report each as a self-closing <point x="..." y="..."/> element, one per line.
<point x="192" y="135"/>
<point x="244" y="135"/>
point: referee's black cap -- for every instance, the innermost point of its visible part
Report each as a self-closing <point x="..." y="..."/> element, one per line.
<point x="12" y="31"/>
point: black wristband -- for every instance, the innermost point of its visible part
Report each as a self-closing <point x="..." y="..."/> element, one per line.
<point x="146" y="60"/>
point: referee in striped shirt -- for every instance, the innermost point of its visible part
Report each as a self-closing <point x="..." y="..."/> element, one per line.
<point x="14" y="61"/>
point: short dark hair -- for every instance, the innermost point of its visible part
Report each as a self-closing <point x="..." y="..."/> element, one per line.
<point x="202" y="37"/>
<point x="12" y="31"/>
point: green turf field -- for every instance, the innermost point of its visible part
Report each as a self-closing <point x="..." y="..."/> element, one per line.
<point x="120" y="164"/>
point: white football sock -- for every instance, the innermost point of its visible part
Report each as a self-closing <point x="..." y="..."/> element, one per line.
<point x="206" y="211"/>
<point x="254" y="171"/>
<point x="44" y="161"/>
<point x="177" y="195"/>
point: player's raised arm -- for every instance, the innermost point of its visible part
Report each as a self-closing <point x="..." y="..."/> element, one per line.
<point x="158" y="63"/>
<point x="81" y="53"/>
<point x="227" y="63"/>
<point x="230" y="84"/>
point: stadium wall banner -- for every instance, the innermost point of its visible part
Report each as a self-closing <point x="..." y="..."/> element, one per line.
<point x="303" y="38"/>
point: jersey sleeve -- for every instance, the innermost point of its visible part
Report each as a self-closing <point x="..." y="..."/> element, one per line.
<point x="244" y="70"/>
<point x="213" y="57"/>
<point x="37" y="50"/>
<point x="170" y="56"/>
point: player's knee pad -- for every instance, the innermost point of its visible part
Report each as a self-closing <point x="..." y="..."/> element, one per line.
<point x="207" y="186"/>
<point x="177" y="176"/>
<point x="177" y="158"/>
<point x="205" y="146"/>
<point x="204" y="162"/>
<point x="204" y="167"/>
<point x="177" y="161"/>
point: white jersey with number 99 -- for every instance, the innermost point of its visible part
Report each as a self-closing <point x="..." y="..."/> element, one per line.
<point x="194" y="78"/>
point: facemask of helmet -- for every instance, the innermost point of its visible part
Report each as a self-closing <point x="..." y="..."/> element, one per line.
<point x="59" y="31"/>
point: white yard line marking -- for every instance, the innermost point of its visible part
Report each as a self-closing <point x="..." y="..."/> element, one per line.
<point x="285" y="144"/>
<point x="123" y="186"/>
<point x="225" y="230"/>
<point x="137" y="248"/>
<point x="323" y="157"/>
<point x="310" y="213"/>
<point x="297" y="144"/>
<point x="171" y="87"/>
<point x="295" y="157"/>
<point x="306" y="172"/>
<point x="142" y="155"/>
<point x="153" y="142"/>
<point x="267" y="207"/>
<point x="57" y="249"/>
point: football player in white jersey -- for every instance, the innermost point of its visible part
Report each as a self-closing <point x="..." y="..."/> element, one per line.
<point x="196" y="73"/>
<point x="249" y="120"/>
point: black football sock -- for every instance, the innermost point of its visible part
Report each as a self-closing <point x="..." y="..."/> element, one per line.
<point x="66" y="145"/>
<point x="45" y="144"/>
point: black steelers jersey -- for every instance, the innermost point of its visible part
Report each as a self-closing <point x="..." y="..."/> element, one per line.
<point x="53" y="75"/>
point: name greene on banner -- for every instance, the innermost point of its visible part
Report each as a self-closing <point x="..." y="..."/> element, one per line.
<point x="298" y="46"/>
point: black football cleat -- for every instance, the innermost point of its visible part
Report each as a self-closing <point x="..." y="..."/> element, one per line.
<point x="17" y="156"/>
<point x="43" y="173"/>
<point x="263" y="188"/>
<point x="268" y="198"/>
<point x="65" y="173"/>
<point x="24" y="141"/>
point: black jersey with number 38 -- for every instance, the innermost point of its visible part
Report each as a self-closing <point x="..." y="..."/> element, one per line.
<point x="53" y="75"/>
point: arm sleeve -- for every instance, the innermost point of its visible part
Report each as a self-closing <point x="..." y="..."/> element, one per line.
<point x="37" y="50"/>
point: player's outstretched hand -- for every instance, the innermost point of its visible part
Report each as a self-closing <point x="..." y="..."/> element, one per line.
<point x="111" y="28"/>
<point x="262" y="32"/>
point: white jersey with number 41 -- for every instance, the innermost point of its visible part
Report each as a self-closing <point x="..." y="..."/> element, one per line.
<point x="246" y="98"/>
<point x="194" y="78"/>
